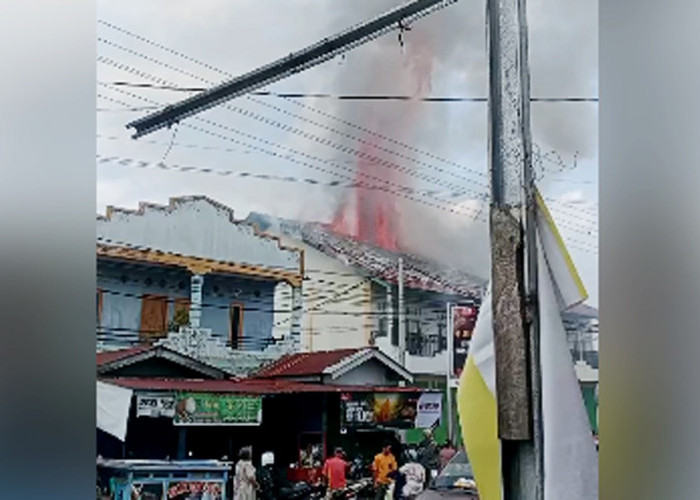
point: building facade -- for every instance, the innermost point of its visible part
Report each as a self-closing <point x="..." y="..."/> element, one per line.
<point x="351" y="296"/>
<point x="190" y="264"/>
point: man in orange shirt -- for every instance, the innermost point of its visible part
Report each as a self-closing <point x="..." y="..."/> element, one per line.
<point x="334" y="471"/>
<point x="384" y="463"/>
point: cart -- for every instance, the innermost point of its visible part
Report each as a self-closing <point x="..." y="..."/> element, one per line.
<point x="165" y="480"/>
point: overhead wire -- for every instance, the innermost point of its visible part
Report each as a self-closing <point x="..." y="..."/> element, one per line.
<point x="401" y="189"/>
<point x="181" y="71"/>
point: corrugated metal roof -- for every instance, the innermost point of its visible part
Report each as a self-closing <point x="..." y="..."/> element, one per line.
<point x="106" y="357"/>
<point x="247" y="386"/>
<point x="305" y="363"/>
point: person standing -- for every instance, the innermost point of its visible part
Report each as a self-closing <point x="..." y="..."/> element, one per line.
<point x="428" y="456"/>
<point x="383" y="465"/>
<point x="447" y="453"/>
<point x="244" y="482"/>
<point x="266" y="477"/>
<point x="335" y="473"/>
<point x="414" y="481"/>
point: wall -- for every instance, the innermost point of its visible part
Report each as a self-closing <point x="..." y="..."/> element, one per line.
<point x="125" y="284"/>
<point x="195" y="226"/>
<point x="370" y="373"/>
<point x="257" y="298"/>
<point x="429" y="310"/>
<point x="336" y="302"/>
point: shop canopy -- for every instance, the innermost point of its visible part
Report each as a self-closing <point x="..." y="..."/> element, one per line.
<point x="247" y="386"/>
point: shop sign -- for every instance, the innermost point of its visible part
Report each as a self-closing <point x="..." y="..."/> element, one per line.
<point x="463" y="322"/>
<point x="155" y="405"/>
<point x="217" y="409"/>
<point x="196" y="490"/>
<point x="378" y="409"/>
<point x="429" y="410"/>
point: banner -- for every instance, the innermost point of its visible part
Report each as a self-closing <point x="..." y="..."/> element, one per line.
<point x="196" y="490"/>
<point x="113" y="405"/>
<point x="379" y="409"/>
<point x="217" y="409"/>
<point x="463" y="322"/>
<point x="429" y="410"/>
<point x="155" y="405"/>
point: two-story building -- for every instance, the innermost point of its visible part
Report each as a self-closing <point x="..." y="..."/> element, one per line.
<point x="351" y="296"/>
<point x="191" y="264"/>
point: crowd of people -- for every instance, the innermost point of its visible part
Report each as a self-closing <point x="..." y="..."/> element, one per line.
<point x="391" y="481"/>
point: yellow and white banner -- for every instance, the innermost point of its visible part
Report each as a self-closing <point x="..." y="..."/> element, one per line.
<point x="570" y="457"/>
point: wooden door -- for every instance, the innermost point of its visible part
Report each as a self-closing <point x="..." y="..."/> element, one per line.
<point x="154" y="317"/>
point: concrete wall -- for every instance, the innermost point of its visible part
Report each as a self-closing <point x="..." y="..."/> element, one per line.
<point x="124" y="285"/>
<point x="370" y="373"/>
<point x="336" y="302"/>
<point x="195" y="226"/>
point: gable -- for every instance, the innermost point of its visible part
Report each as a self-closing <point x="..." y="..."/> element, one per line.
<point x="371" y="372"/>
<point x="155" y="368"/>
<point x="155" y="362"/>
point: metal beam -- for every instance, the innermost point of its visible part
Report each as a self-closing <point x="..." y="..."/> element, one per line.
<point x="296" y="62"/>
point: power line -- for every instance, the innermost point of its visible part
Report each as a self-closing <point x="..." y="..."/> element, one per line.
<point x="292" y="101"/>
<point x="349" y="97"/>
<point x="474" y="214"/>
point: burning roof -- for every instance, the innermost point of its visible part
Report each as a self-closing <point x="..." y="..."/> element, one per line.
<point x="376" y="262"/>
<point x="382" y="264"/>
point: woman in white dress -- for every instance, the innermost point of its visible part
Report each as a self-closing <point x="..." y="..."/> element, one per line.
<point x="244" y="482"/>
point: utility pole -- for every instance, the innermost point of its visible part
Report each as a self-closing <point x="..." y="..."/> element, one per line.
<point x="449" y="331"/>
<point x="513" y="253"/>
<point x="402" y="316"/>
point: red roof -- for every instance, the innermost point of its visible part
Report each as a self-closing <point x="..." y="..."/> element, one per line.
<point x="305" y="363"/>
<point x="244" y="386"/>
<point x="104" y="358"/>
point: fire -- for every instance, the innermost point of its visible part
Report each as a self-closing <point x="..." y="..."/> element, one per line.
<point x="372" y="215"/>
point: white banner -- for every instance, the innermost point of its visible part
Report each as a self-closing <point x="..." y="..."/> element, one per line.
<point x="155" y="405"/>
<point x="113" y="404"/>
<point x="429" y="410"/>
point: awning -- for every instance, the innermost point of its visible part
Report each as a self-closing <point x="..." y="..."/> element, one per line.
<point x="248" y="386"/>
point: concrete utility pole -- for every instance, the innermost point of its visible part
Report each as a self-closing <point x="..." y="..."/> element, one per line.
<point x="449" y="331"/>
<point x="402" y="316"/>
<point x="514" y="257"/>
<point x="326" y="49"/>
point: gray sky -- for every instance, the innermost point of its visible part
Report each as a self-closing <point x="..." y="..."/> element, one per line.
<point x="234" y="36"/>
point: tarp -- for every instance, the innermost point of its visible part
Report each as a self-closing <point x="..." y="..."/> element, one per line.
<point x="113" y="404"/>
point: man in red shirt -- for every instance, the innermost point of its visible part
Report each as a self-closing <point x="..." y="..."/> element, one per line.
<point x="334" y="472"/>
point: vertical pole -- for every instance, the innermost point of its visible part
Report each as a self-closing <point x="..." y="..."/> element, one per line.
<point x="196" y="283"/>
<point x="389" y="312"/>
<point x="531" y="264"/>
<point x="402" y="317"/>
<point x="297" y="305"/>
<point x="514" y="258"/>
<point x="449" y="331"/>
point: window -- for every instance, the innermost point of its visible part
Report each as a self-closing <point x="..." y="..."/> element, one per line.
<point x="236" y="325"/>
<point x="154" y="317"/>
<point x="181" y="314"/>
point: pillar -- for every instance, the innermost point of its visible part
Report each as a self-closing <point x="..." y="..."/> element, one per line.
<point x="297" y="312"/>
<point x="196" y="284"/>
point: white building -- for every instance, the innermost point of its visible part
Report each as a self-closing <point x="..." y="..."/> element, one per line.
<point x="350" y="296"/>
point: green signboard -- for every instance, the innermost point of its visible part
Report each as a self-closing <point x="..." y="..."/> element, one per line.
<point x="217" y="409"/>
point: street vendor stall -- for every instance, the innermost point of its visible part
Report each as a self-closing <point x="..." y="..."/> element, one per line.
<point x="165" y="480"/>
